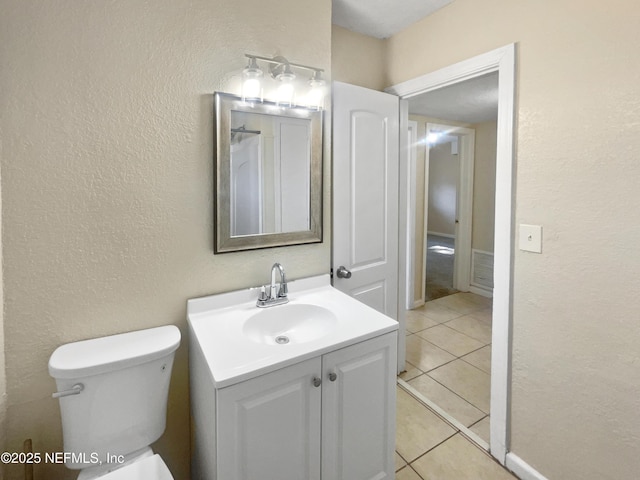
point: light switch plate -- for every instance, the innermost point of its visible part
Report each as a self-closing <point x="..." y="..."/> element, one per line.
<point x="531" y="238"/>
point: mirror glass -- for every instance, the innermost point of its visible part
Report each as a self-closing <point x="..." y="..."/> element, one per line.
<point x="269" y="175"/>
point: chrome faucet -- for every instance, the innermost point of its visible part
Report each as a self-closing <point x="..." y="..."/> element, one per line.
<point x="277" y="296"/>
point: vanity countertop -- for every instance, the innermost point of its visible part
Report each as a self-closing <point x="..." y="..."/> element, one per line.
<point x="219" y="326"/>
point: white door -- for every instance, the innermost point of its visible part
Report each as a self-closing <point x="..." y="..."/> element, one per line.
<point x="269" y="427"/>
<point x="358" y="411"/>
<point x="365" y="195"/>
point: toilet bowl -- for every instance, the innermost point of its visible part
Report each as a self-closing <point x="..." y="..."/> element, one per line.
<point x="146" y="465"/>
<point x="113" y="402"/>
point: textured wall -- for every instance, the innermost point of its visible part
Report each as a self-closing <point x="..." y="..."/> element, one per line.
<point x="358" y="59"/>
<point x="107" y="180"/>
<point x="576" y="382"/>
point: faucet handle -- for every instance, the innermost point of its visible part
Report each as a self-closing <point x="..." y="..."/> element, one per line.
<point x="263" y="294"/>
<point x="283" y="286"/>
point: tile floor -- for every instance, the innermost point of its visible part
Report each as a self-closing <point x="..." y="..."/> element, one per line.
<point x="449" y="362"/>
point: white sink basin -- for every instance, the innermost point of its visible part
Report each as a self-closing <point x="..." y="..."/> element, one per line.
<point x="240" y="341"/>
<point x="285" y="324"/>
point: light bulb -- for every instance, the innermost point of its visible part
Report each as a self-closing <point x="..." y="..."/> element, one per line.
<point x="315" y="97"/>
<point x="252" y="82"/>
<point x="285" y="89"/>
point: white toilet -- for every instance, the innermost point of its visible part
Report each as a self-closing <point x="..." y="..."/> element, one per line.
<point x="113" y="401"/>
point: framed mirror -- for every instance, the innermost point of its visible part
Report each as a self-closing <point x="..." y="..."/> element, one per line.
<point x="268" y="185"/>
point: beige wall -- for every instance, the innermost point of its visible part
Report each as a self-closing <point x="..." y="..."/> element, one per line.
<point x="575" y="385"/>
<point x="107" y="180"/>
<point x="484" y="186"/>
<point x="444" y="171"/>
<point x="358" y="59"/>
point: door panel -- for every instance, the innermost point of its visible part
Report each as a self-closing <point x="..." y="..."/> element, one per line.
<point x="365" y="194"/>
<point x="269" y="426"/>
<point x="358" y="411"/>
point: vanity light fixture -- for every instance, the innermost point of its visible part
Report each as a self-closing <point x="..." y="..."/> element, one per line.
<point x="286" y="92"/>
<point x="252" y="82"/>
<point x="315" y="98"/>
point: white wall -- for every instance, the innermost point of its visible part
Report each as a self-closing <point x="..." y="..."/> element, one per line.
<point x="575" y="382"/>
<point x="107" y="180"/>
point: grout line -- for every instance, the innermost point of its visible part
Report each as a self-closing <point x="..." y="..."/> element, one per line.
<point x="466" y="400"/>
<point x="445" y="416"/>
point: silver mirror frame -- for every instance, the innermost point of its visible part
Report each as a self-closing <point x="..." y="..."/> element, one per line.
<point x="224" y="104"/>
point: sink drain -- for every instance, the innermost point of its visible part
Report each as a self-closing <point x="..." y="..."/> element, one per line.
<point x="282" y="339"/>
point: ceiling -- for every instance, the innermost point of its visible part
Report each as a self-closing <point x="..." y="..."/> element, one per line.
<point x="471" y="101"/>
<point x="382" y="18"/>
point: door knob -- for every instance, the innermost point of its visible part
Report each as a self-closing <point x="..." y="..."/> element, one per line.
<point x="343" y="272"/>
<point x="333" y="376"/>
<point x="316" y="382"/>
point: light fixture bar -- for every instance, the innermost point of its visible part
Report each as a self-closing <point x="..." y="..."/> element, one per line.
<point x="279" y="61"/>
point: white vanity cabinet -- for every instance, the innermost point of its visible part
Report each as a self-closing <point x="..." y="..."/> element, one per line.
<point x="269" y="426"/>
<point x="330" y="417"/>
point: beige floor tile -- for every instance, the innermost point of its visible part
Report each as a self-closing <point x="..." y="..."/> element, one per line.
<point x="467" y="381"/>
<point x="482" y="429"/>
<point x="417" y="428"/>
<point x="481" y="359"/>
<point x="424" y="355"/>
<point x="411" y="372"/>
<point x="473" y="326"/>
<point x="485" y="314"/>
<point x="437" y="313"/>
<point x="461" y="303"/>
<point x="450" y="340"/>
<point x="484" y="302"/>
<point x="399" y="462"/>
<point x="408" y="473"/>
<point x="417" y="320"/>
<point x="459" y="459"/>
<point x="451" y="403"/>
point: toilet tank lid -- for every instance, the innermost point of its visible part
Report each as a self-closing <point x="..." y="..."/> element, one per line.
<point x="115" y="352"/>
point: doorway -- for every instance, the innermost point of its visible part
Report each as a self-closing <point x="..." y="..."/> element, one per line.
<point x="502" y="63"/>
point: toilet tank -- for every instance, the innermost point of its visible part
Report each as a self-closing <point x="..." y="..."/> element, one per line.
<point x="122" y="406"/>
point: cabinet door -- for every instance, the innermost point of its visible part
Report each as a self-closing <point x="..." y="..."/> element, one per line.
<point x="358" y="411"/>
<point x="269" y="426"/>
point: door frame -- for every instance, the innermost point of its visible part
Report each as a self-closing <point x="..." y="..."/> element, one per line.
<point x="412" y="141"/>
<point x="501" y="60"/>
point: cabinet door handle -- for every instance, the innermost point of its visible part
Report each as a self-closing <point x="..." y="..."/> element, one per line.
<point x="316" y="382"/>
<point x="333" y="376"/>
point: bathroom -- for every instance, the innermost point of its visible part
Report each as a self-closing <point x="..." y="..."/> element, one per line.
<point x="107" y="198"/>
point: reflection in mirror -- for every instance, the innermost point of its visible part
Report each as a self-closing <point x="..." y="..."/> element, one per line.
<point x="268" y="175"/>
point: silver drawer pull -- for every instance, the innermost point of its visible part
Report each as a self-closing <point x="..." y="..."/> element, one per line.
<point x="75" y="390"/>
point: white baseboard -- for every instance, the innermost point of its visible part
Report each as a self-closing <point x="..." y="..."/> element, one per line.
<point x="418" y="303"/>
<point x="522" y="469"/>
<point x="447" y="235"/>
<point x="481" y="291"/>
